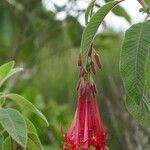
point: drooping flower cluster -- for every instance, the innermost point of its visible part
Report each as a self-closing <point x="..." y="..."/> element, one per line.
<point x="86" y="129"/>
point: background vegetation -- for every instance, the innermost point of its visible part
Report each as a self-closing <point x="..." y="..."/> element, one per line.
<point x="47" y="49"/>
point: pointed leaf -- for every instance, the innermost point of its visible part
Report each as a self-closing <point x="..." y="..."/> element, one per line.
<point x="132" y="67"/>
<point x="92" y="27"/>
<point x="13" y="122"/>
<point x="133" y="59"/>
<point x="26" y="105"/>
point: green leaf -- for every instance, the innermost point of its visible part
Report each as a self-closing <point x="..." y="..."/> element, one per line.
<point x="25" y="105"/>
<point x="148" y="75"/>
<point x="89" y="11"/>
<point x="1" y="141"/>
<point x="133" y="59"/>
<point x="13" y="122"/>
<point x="132" y="67"/>
<point x="5" y="69"/>
<point x="92" y="27"/>
<point x="12" y="72"/>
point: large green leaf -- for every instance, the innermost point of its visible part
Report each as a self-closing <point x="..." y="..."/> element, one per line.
<point x="13" y="122"/>
<point x="92" y="27"/>
<point x="26" y="105"/>
<point x="133" y="59"/>
<point x="132" y="67"/>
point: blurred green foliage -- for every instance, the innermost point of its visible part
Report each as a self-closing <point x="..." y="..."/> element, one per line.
<point x="47" y="49"/>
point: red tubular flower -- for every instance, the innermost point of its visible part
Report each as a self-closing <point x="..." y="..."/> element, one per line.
<point x="86" y="129"/>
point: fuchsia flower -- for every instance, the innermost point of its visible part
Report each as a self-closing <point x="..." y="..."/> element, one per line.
<point x="86" y="129"/>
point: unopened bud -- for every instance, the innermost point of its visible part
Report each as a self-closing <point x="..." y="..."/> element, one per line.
<point x="93" y="67"/>
<point x="79" y="60"/>
<point x="90" y="50"/>
<point x="97" y="59"/>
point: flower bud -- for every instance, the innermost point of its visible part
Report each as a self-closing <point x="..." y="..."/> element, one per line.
<point x="90" y="50"/>
<point x="93" y="67"/>
<point x="79" y="60"/>
<point x="98" y="62"/>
